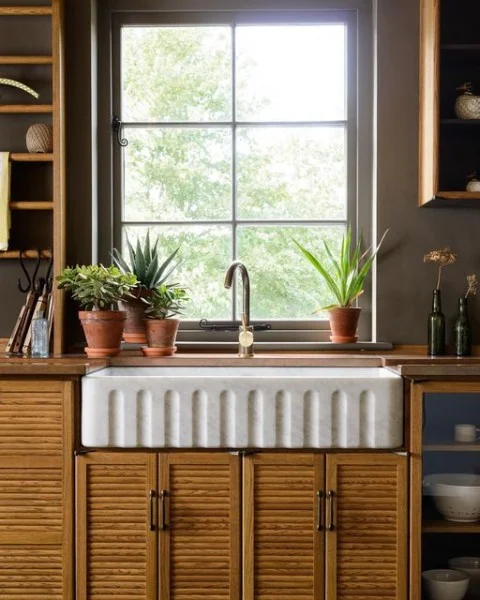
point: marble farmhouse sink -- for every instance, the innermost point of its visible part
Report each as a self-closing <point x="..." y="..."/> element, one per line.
<point x="242" y="407"/>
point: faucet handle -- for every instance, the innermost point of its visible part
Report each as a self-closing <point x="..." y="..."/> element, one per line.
<point x="245" y="337"/>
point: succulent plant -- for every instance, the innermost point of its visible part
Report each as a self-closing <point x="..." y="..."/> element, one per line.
<point x="145" y="263"/>
<point x="165" y="302"/>
<point x="96" y="287"/>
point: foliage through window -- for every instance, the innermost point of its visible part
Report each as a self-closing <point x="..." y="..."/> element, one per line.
<point x="241" y="137"/>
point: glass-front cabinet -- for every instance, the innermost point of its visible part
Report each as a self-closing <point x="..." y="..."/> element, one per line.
<point x="445" y="488"/>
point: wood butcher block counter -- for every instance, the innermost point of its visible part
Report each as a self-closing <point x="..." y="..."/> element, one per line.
<point x="408" y="365"/>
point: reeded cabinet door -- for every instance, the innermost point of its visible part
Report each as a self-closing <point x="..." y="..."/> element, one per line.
<point x="366" y="522"/>
<point x="199" y="526"/>
<point x="36" y="497"/>
<point x="283" y="526"/>
<point x="116" y="526"/>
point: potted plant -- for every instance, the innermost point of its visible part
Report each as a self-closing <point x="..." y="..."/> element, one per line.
<point x="97" y="289"/>
<point x="151" y="272"/>
<point x="164" y="303"/>
<point x="345" y="278"/>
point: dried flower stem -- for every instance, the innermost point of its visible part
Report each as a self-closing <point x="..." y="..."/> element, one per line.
<point x="442" y="258"/>
<point x="472" y="284"/>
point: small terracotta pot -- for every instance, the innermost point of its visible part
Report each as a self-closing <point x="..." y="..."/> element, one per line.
<point x="343" y="323"/>
<point x="103" y="331"/>
<point x="161" y="336"/>
<point x="134" y="330"/>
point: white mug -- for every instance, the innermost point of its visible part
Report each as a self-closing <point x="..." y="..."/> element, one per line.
<point x="466" y="433"/>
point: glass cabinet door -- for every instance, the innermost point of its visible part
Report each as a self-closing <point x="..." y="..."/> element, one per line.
<point x="451" y="496"/>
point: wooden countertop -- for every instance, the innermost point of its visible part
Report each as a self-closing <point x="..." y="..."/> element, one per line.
<point x="408" y="365"/>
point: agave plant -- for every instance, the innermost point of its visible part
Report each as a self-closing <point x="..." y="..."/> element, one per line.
<point x="346" y="278"/>
<point x="145" y="263"/>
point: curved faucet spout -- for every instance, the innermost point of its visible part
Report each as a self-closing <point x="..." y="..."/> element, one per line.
<point x="246" y="286"/>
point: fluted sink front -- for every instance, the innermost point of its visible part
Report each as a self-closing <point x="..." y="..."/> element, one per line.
<point x="242" y="407"/>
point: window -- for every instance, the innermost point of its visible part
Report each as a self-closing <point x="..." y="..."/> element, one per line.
<point x="242" y="134"/>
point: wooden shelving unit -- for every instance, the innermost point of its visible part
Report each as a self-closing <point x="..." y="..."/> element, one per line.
<point x="26" y="108"/>
<point x="26" y="157"/>
<point x="25" y="11"/>
<point x="451" y="447"/>
<point x="9" y="254"/>
<point x="449" y="56"/>
<point x="442" y="526"/>
<point x="54" y="162"/>
<point x="26" y="60"/>
<point x="31" y="205"/>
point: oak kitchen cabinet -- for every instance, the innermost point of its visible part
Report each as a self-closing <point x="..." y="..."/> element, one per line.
<point x="195" y="525"/>
<point x="448" y="145"/>
<point x="36" y="489"/>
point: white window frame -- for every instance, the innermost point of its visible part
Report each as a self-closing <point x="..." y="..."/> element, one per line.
<point x="115" y="14"/>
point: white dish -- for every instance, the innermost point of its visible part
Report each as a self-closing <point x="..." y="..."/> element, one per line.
<point x="471" y="566"/>
<point x="456" y="495"/>
<point x="445" y="584"/>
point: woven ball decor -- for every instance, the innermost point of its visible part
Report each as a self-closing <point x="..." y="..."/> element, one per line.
<point x="39" y="138"/>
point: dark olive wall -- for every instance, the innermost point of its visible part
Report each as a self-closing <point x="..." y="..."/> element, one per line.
<point x="404" y="282"/>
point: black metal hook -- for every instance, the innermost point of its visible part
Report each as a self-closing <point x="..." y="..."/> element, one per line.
<point x="31" y="280"/>
<point x="117" y="130"/>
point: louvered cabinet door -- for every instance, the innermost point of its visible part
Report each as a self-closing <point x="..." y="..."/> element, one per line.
<point x="36" y="490"/>
<point x="116" y="526"/>
<point x="199" y="510"/>
<point x="283" y="526"/>
<point x="366" y="537"/>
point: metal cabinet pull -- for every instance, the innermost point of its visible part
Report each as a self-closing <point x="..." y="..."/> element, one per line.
<point x="319" y="510"/>
<point x="163" y="496"/>
<point x="331" y="518"/>
<point x="151" y="497"/>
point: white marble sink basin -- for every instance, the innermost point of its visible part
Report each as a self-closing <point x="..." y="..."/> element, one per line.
<point x="242" y="407"/>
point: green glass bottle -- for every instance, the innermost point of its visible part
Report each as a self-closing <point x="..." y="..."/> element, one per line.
<point x="436" y="327"/>
<point x="462" y="335"/>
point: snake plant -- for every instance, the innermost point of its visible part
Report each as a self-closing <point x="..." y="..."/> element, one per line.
<point x="145" y="263"/>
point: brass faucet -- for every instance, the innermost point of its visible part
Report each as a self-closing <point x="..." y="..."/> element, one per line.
<point x="245" y="338"/>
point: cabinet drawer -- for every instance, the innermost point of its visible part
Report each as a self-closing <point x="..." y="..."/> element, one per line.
<point x="31" y="418"/>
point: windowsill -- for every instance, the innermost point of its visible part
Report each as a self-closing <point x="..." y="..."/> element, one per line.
<point x="277" y="346"/>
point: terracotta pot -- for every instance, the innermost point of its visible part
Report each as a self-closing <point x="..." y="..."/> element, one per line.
<point x="103" y="331"/>
<point x="343" y="323"/>
<point x="161" y="336"/>
<point x="134" y="330"/>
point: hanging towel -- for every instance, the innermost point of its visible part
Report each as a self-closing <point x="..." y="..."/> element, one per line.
<point x="4" y="199"/>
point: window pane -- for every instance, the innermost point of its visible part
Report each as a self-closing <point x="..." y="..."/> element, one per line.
<point x="291" y="173"/>
<point x="284" y="285"/>
<point x="177" y="174"/>
<point x="176" y="73"/>
<point x="205" y="253"/>
<point x="290" y="72"/>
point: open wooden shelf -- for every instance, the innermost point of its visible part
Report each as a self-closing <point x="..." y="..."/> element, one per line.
<point x="26" y="254"/>
<point x="26" y="60"/>
<point x="443" y="526"/>
<point x="27" y="157"/>
<point x="31" y="205"/>
<point x="26" y="108"/>
<point x="452" y="447"/>
<point x="25" y="11"/>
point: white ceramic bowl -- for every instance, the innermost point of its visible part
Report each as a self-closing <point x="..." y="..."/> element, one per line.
<point x="471" y="566"/>
<point x="456" y="495"/>
<point x="445" y="584"/>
